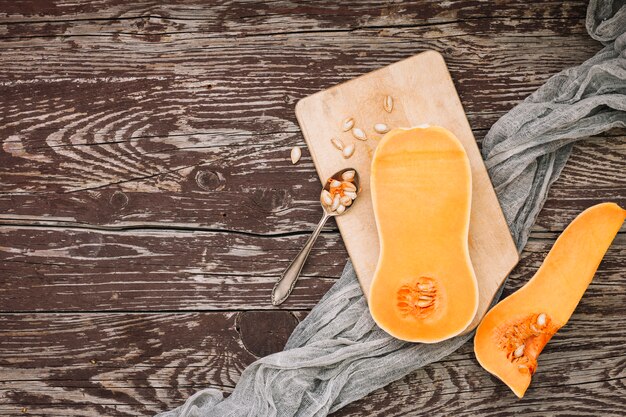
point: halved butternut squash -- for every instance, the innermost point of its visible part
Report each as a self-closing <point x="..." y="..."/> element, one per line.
<point x="512" y="335"/>
<point x="424" y="288"/>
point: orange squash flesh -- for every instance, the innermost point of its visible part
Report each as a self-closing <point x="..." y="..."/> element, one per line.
<point x="424" y="288"/>
<point x="511" y="336"/>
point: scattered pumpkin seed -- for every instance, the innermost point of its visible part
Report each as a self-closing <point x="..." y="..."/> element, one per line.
<point x="359" y="134"/>
<point x="296" y="153"/>
<point x="347" y="124"/>
<point x="381" y="128"/>
<point x="348" y="151"/>
<point x="337" y="143"/>
<point x="388" y="104"/>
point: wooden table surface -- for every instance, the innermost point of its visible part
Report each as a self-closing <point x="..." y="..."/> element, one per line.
<point x="148" y="204"/>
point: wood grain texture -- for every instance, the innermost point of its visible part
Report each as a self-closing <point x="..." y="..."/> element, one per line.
<point x="49" y="269"/>
<point x="128" y="364"/>
<point x="157" y="269"/>
<point x="144" y="172"/>
<point x="244" y="185"/>
<point x="213" y="125"/>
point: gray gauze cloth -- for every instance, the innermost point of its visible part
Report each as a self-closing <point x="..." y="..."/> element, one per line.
<point x="338" y="354"/>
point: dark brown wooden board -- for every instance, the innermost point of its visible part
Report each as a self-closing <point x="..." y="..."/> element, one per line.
<point x="147" y="203"/>
<point x="123" y="364"/>
<point x="179" y="281"/>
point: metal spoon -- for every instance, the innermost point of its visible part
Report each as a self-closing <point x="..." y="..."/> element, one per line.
<point x="288" y="279"/>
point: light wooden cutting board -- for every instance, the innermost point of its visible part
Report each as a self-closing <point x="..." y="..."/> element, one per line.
<point x="423" y="93"/>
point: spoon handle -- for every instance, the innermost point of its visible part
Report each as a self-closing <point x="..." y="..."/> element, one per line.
<point x="288" y="279"/>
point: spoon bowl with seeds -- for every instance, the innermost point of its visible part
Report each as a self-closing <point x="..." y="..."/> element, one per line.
<point x="339" y="194"/>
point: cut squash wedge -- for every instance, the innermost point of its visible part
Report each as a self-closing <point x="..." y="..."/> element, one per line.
<point x="512" y="335"/>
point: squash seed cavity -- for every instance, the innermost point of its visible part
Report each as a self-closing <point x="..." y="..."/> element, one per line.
<point x="417" y="299"/>
<point x="523" y="340"/>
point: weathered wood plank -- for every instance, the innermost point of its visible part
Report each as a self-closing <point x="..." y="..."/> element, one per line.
<point x="95" y="362"/>
<point x="569" y="382"/>
<point x="129" y="364"/>
<point x="52" y="269"/>
<point x="245" y="188"/>
<point x="257" y="17"/>
<point x="70" y="270"/>
<point x="189" y="83"/>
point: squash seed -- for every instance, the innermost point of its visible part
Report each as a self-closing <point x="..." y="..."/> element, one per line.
<point x="388" y="104"/>
<point x="348" y="175"/>
<point x="296" y="153"/>
<point x="351" y="194"/>
<point x="335" y="183"/>
<point x="348" y="186"/>
<point x="381" y="128"/>
<point x="541" y="319"/>
<point x="347" y="124"/>
<point x="340" y="209"/>
<point x="348" y="151"/>
<point x="346" y="201"/>
<point x="359" y="134"/>
<point x="337" y="143"/>
<point x="519" y="351"/>
<point x="336" y="202"/>
<point x="327" y="199"/>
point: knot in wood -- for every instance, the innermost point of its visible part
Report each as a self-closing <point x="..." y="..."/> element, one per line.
<point x="119" y="200"/>
<point x="209" y="180"/>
